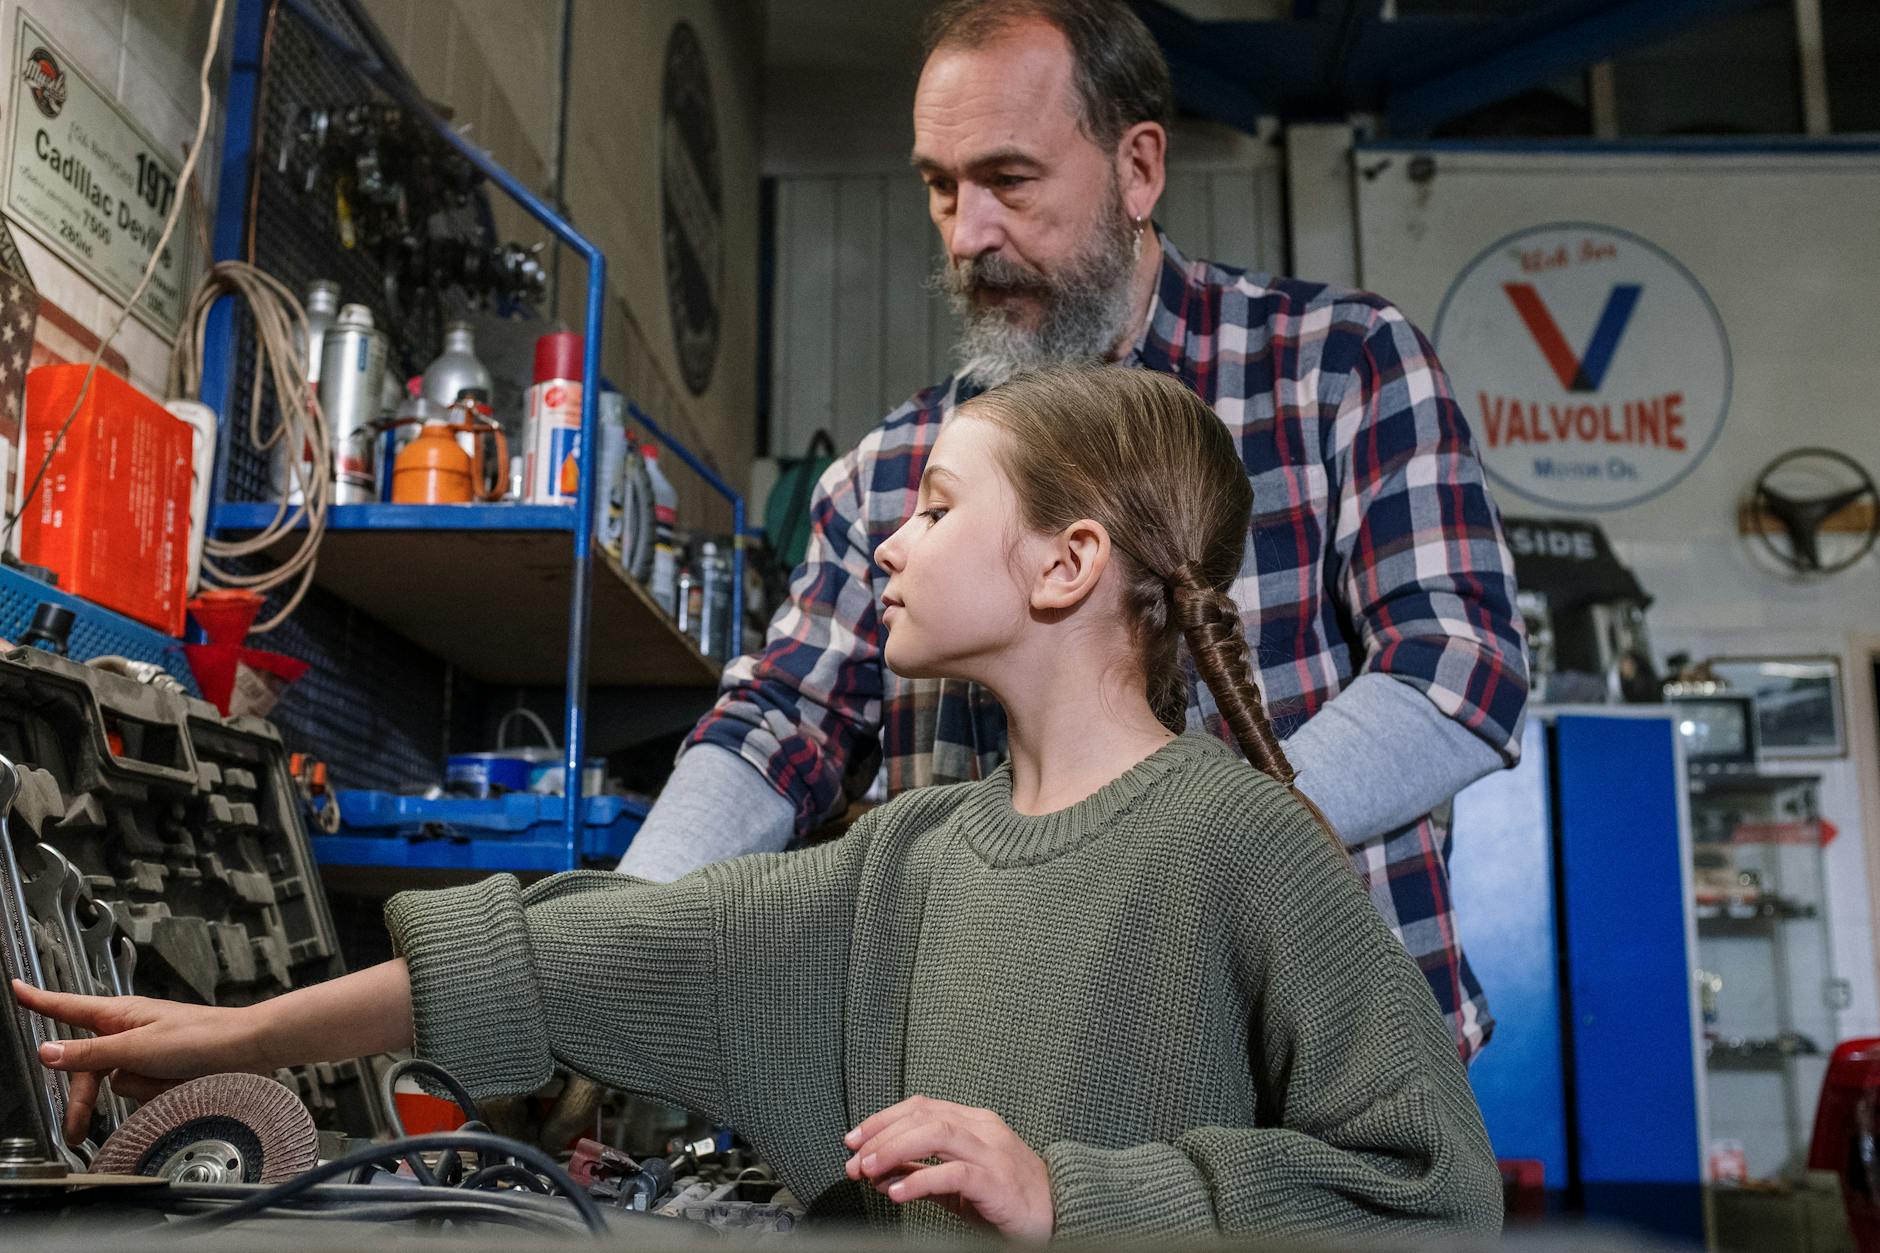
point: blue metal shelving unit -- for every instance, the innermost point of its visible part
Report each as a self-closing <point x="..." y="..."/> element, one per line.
<point x="373" y="57"/>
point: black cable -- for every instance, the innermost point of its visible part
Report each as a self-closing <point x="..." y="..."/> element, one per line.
<point x="407" y="1148"/>
<point x="436" y="1204"/>
<point x="388" y="1096"/>
<point x="499" y="1171"/>
<point x="348" y="1202"/>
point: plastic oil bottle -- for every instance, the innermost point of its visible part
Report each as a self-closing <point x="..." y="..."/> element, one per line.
<point x="664" y="583"/>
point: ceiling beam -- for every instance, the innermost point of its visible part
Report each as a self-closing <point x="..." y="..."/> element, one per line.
<point x="1192" y="50"/>
<point x="1543" y="51"/>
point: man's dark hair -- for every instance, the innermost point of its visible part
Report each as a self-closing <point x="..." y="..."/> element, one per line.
<point x="1120" y="74"/>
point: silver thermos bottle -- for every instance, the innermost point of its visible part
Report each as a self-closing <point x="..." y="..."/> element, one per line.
<point x="352" y="369"/>
<point x="454" y="372"/>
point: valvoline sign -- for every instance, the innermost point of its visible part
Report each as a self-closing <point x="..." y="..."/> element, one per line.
<point x="1593" y="368"/>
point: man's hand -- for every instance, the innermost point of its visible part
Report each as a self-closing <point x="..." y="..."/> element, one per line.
<point x="144" y="1046"/>
<point x="986" y="1172"/>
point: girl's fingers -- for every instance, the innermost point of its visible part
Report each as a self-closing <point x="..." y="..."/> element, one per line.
<point x="909" y="1145"/>
<point x="93" y="1013"/>
<point x="81" y="1098"/>
<point x="872" y="1125"/>
<point x="961" y="1179"/>
<point x="887" y="1127"/>
<point x="102" y="1052"/>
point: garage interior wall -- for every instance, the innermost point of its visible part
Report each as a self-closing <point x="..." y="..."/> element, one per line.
<point x="496" y="65"/>
<point x="856" y="327"/>
<point x="144" y="54"/>
<point x="1799" y="379"/>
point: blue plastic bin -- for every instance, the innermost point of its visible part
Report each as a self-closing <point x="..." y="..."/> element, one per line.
<point x="517" y="832"/>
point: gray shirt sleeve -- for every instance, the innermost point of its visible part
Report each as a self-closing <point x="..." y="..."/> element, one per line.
<point x="1379" y="756"/>
<point x="716" y="805"/>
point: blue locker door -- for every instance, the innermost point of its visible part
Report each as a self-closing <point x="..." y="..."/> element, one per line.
<point x="1501" y="872"/>
<point x="1631" y="1041"/>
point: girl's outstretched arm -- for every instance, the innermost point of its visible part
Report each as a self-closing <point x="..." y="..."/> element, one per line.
<point x="147" y="1045"/>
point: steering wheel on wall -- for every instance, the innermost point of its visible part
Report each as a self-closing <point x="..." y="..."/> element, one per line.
<point x="1802" y="518"/>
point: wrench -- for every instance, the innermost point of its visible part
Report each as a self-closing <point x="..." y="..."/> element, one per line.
<point x="53" y="891"/>
<point x="97" y="941"/>
<point x="127" y="964"/>
<point x="99" y="948"/>
<point x="23" y="954"/>
<point x="70" y="886"/>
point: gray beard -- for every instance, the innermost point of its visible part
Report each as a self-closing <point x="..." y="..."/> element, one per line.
<point x="1086" y="307"/>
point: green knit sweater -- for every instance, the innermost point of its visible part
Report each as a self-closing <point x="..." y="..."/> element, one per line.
<point x="1175" y="991"/>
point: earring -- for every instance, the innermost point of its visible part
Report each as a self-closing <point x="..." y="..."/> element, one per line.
<point x="1135" y="247"/>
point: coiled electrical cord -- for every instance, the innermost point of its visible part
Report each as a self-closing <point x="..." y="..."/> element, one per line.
<point x="388" y="1097"/>
<point x="481" y="1142"/>
<point x="281" y="340"/>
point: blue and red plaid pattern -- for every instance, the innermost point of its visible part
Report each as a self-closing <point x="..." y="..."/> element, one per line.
<point x="1374" y="547"/>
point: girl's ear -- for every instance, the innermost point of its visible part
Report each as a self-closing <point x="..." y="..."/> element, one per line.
<point x="1074" y="559"/>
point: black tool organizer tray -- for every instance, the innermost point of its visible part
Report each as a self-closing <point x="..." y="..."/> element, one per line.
<point x="188" y="826"/>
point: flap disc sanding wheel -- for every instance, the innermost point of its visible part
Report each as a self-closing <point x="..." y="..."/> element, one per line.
<point x="231" y="1128"/>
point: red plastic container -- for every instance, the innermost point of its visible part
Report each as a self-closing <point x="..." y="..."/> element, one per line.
<point x="111" y="516"/>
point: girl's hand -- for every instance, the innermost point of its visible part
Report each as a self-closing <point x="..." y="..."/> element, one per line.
<point x="143" y="1046"/>
<point x="986" y="1172"/>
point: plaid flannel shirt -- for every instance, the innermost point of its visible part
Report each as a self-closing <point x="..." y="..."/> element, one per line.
<point x="1374" y="546"/>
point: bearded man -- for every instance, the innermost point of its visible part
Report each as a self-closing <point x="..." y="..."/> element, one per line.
<point x="1376" y="587"/>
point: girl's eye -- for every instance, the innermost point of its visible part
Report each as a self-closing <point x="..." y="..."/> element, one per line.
<point x="933" y="515"/>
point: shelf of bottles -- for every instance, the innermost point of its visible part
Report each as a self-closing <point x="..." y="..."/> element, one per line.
<point x="1766" y="985"/>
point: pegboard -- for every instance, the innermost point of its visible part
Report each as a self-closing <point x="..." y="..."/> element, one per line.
<point x="294" y="233"/>
<point x="96" y="631"/>
<point x="376" y="707"/>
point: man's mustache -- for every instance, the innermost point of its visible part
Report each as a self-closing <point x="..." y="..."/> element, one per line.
<point x="993" y="273"/>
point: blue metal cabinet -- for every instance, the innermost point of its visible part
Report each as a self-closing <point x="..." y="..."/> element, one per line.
<point x="1571" y="881"/>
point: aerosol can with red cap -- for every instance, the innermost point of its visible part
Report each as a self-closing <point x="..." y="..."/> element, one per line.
<point x="551" y="470"/>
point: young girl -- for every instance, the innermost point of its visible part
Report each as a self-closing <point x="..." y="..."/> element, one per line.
<point x="1125" y="985"/>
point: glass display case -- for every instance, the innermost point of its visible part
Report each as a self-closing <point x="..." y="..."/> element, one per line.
<point x="1766" y="986"/>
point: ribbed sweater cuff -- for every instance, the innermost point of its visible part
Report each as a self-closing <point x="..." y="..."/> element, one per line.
<point x="1138" y="1191"/>
<point x="474" y="1000"/>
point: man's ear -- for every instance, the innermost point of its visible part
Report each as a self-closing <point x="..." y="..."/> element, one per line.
<point x="1141" y="165"/>
<point x="1074" y="561"/>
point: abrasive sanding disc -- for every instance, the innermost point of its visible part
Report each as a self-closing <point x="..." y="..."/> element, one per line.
<point x="232" y="1128"/>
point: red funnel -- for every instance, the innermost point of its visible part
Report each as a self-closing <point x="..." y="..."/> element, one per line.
<point x="226" y="613"/>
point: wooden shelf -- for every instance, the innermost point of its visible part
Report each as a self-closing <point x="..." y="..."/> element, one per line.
<point x="486" y="588"/>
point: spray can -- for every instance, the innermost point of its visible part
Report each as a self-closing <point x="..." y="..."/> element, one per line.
<point x="551" y="435"/>
<point x="663" y="582"/>
<point x="352" y="368"/>
<point x="714" y="579"/>
<point x="688" y="602"/>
